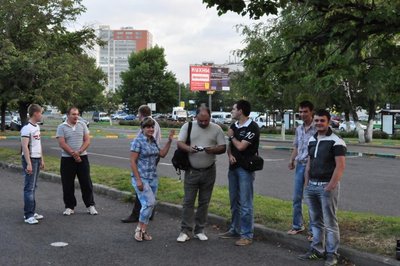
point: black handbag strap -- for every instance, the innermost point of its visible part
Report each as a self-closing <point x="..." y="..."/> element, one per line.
<point x="189" y="131"/>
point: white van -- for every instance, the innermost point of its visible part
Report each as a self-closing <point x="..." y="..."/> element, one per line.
<point x="221" y="117"/>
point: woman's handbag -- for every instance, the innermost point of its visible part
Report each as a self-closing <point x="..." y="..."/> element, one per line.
<point x="180" y="160"/>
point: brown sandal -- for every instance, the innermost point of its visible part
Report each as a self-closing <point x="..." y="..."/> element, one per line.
<point x="146" y="236"/>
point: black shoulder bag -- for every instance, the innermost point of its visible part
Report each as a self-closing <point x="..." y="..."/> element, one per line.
<point x="180" y="160"/>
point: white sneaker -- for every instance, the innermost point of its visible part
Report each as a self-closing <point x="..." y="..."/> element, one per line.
<point x="201" y="236"/>
<point x="182" y="237"/>
<point x="31" y="220"/>
<point x="68" y="212"/>
<point x="37" y="216"/>
<point x="92" y="210"/>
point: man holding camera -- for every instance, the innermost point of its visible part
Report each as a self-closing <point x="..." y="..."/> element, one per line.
<point x="206" y="140"/>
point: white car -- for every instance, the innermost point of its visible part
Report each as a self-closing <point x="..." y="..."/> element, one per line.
<point x="343" y="126"/>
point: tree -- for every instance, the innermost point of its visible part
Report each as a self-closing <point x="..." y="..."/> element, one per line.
<point x="35" y="31"/>
<point x="340" y="49"/>
<point x="148" y="81"/>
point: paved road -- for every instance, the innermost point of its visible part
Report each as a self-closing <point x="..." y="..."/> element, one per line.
<point x="104" y="240"/>
<point x="369" y="184"/>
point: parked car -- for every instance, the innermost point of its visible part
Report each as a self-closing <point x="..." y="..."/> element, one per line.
<point x="64" y="117"/>
<point x="100" y="117"/>
<point x="221" y="117"/>
<point x="130" y="117"/>
<point x="342" y="126"/>
<point x="8" y="120"/>
<point x="119" y="116"/>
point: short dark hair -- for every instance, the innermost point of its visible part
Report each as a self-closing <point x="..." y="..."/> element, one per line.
<point x="203" y="108"/>
<point x="147" y="122"/>
<point x="71" y="108"/>
<point x="307" y="104"/>
<point x="323" y="112"/>
<point x="244" y="106"/>
<point x="144" y="110"/>
<point x="33" y="108"/>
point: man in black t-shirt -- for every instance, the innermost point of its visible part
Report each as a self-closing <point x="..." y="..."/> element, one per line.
<point x="244" y="137"/>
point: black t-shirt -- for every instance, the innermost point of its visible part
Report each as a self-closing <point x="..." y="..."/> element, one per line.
<point x="249" y="132"/>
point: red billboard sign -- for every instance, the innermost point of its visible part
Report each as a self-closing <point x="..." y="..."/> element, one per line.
<point x="200" y="78"/>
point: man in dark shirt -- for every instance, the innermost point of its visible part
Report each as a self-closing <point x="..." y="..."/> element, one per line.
<point x="325" y="166"/>
<point x="244" y="137"/>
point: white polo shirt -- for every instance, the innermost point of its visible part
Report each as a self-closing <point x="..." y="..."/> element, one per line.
<point x="32" y="132"/>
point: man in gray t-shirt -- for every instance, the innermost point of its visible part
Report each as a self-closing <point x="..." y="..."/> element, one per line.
<point x="73" y="138"/>
<point x="206" y="141"/>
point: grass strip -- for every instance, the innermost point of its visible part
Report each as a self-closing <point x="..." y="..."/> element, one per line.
<point x="363" y="231"/>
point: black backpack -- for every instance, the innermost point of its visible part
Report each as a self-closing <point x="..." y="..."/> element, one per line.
<point x="180" y="160"/>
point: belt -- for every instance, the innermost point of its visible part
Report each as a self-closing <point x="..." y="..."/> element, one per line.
<point x="203" y="169"/>
<point x="317" y="183"/>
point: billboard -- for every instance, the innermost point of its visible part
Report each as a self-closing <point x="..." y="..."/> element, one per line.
<point x="200" y="78"/>
<point x="204" y="78"/>
<point x="220" y="78"/>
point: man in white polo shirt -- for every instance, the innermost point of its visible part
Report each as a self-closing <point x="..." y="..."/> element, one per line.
<point x="32" y="161"/>
<point x="73" y="138"/>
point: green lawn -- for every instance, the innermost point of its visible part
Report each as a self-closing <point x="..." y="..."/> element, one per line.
<point x="363" y="231"/>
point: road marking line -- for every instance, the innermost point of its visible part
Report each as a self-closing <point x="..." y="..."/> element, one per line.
<point x="273" y="160"/>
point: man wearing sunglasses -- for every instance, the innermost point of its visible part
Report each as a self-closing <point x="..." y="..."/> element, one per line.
<point x="325" y="166"/>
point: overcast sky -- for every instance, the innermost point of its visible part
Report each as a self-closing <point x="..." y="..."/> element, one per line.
<point x="188" y="31"/>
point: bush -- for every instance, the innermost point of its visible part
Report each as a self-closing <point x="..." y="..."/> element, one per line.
<point x="396" y="136"/>
<point x="344" y="134"/>
<point x="379" y="135"/>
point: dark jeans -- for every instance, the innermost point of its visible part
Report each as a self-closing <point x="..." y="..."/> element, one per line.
<point x="199" y="181"/>
<point x="69" y="169"/>
<point x="30" y="186"/>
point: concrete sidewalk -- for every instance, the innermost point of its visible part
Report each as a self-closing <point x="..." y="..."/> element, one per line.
<point x="103" y="240"/>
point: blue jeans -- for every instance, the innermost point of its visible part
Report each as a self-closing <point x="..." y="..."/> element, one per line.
<point x="298" y="197"/>
<point x="30" y="186"/>
<point x="323" y="207"/>
<point x="241" y="199"/>
<point x="147" y="197"/>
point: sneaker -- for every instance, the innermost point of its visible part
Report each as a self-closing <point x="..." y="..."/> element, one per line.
<point x="311" y="255"/>
<point x="295" y="231"/>
<point x="244" y="242"/>
<point x="37" y="216"/>
<point x="92" y="210"/>
<point x="182" y="237"/>
<point x="68" y="212"/>
<point x="331" y="260"/>
<point x="228" y="235"/>
<point x="31" y="220"/>
<point x="201" y="236"/>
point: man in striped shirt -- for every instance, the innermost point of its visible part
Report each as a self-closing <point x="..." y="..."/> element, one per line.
<point x="73" y="138"/>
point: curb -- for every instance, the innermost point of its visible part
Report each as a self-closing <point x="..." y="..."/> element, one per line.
<point x="294" y="242"/>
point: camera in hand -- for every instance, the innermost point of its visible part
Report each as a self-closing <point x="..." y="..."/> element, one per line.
<point x="198" y="148"/>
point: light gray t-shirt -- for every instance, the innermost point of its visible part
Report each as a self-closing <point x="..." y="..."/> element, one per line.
<point x="73" y="136"/>
<point x="204" y="137"/>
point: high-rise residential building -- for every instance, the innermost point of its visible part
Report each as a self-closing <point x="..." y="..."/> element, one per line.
<point x="119" y="44"/>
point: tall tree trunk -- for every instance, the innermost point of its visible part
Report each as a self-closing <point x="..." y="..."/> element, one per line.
<point x="23" y="112"/>
<point x="3" y="109"/>
<point x="353" y="111"/>
<point x="371" y="118"/>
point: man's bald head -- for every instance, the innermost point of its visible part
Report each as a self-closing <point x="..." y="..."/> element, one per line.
<point x="203" y="116"/>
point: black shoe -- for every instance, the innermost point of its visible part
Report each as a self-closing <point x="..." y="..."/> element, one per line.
<point x="311" y="255"/>
<point x="331" y="260"/>
<point x="130" y="219"/>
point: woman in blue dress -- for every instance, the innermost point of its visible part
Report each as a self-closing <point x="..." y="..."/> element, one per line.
<point x="144" y="156"/>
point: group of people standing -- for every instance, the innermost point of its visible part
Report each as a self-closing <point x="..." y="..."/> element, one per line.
<point x="318" y="157"/>
<point x="73" y="138"/>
